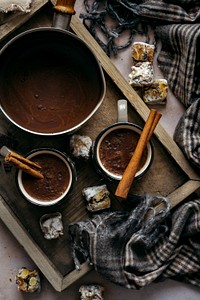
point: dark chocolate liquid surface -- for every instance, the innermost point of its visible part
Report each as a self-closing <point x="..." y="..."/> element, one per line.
<point x="117" y="148"/>
<point x="55" y="181"/>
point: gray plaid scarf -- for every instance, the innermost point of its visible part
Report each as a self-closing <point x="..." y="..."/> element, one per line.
<point x="176" y="24"/>
<point x="132" y="250"/>
<point x="180" y="63"/>
<point x="187" y="134"/>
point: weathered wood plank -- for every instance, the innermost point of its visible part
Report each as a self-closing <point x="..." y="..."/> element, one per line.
<point x="183" y="192"/>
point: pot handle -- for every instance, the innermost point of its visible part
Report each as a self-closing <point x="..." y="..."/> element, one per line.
<point x="64" y="9"/>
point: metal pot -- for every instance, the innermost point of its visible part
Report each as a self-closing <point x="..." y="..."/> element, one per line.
<point x="51" y="83"/>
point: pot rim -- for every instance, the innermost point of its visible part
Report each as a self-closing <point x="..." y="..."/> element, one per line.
<point x="98" y="64"/>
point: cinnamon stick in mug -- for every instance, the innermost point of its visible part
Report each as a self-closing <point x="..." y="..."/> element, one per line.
<point x="25" y="166"/>
<point x="156" y="120"/>
<point x="24" y="160"/>
<point x="132" y="168"/>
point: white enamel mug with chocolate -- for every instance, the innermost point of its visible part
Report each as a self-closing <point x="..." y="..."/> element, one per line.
<point x="59" y="176"/>
<point x="115" y="144"/>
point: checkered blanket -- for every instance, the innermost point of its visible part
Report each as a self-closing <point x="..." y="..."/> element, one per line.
<point x="179" y="61"/>
<point x="187" y="134"/>
<point x="135" y="248"/>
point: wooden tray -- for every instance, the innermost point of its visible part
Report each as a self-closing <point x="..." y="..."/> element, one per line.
<point x="170" y="174"/>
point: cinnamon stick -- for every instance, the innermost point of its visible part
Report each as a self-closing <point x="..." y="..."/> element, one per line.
<point x="25" y="160"/>
<point x="155" y="122"/>
<point x="28" y="168"/>
<point x="132" y="168"/>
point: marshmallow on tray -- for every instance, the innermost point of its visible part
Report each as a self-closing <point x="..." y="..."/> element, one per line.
<point x="91" y="292"/>
<point x="97" y="198"/>
<point x="142" y="52"/>
<point x="80" y="146"/>
<point x="141" y="74"/>
<point x="156" y="93"/>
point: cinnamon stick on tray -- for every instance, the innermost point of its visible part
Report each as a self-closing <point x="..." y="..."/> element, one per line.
<point x="132" y="168"/>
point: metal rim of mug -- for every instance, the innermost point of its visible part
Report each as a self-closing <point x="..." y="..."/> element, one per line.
<point x="71" y="168"/>
<point x="102" y="135"/>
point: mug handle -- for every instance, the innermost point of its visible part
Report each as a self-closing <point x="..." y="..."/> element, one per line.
<point x="122" y="111"/>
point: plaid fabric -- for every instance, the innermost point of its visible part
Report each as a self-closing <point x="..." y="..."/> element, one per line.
<point x="180" y="64"/>
<point x="187" y="134"/>
<point x="132" y="250"/>
<point x="182" y="11"/>
<point x="179" y="60"/>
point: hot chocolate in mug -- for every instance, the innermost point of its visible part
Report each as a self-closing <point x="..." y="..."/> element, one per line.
<point x="114" y="146"/>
